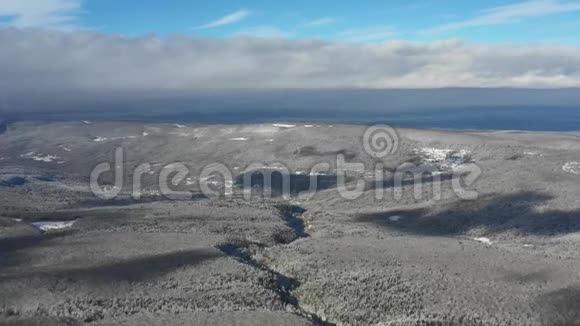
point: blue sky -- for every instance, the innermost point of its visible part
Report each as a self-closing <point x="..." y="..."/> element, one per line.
<point x="371" y="21"/>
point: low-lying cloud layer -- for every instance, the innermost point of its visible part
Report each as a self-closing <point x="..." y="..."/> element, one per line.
<point x="49" y="60"/>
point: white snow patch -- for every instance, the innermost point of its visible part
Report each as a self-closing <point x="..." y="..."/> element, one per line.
<point x="527" y="245"/>
<point x="99" y="139"/>
<point x="53" y="225"/>
<point x="572" y="167"/>
<point x="87" y="122"/>
<point x="270" y="140"/>
<point x="434" y="155"/>
<point x="533" y="153"/>
<point x="178" y="125"/>
<point x="229" y="184"/>
<point x="484" y="240"/>
<point x="40" y="157"/>
<point x="283" y="125"/>
<point x="145" y="134"/>
<point x="308" y="126"/>
<point x="317" y="173"/>
<point x="17" y="219"/>
<point x="239" y="138"/>
<point x="444" y="158"/>
<point x="46" y="158"/>
<point x="395" y="218"/>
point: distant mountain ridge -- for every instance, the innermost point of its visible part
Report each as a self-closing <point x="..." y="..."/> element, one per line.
<point x="322" y="100"/>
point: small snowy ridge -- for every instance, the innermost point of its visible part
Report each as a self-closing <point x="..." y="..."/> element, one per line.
<point x="239" y="138"/>
<point x="178" y="125"/>
<point x="445" y="158"/>
<point x="308" y="126"/>
<point x="53" y="225"/>
<point x="99" y="139"/>
<point x="283" y="125"/>
<point x="123" y="137"/>
<point x="145" y="134"/>
<point x="484" y="240"/>
<point x="533" y="153"/>
<point x="572" y="167"/>
<point x="40" y="157"/>
<point x="87" y="122"/>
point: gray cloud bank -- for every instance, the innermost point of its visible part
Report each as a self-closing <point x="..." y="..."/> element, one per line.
<point x="93" y="73"/>
<point x="61" y="61"/>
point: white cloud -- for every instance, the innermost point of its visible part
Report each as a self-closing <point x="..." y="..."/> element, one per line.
<point x="320" y="22"/>
<point x="367" y="34"/>
<point x="264" y="31"/>
<point x="36" y="59"/>
<point x="55" y="14"/>
<point x="512" y="13"/>
<point x="228" y="19"/>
